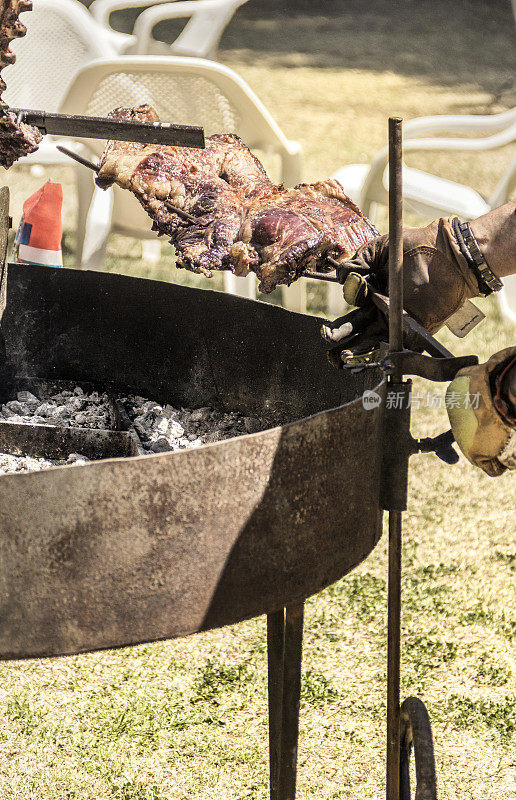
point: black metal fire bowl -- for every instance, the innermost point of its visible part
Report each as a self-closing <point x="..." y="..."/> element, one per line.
<point x="135" y="549"/>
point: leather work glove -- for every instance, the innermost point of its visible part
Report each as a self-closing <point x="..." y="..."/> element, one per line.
<point x="436" y="282"/>
<point x="437" y="278"/>
<point x="481" y="404"/>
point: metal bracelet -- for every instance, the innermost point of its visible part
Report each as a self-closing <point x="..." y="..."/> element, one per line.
<point x="487" y="280"/>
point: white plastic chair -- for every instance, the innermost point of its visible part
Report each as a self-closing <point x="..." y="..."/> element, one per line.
<point x="433" y="196"/>
<point x="61" y="38"/>
<point x="185" y="91"/>
<point x="200" y="36"/>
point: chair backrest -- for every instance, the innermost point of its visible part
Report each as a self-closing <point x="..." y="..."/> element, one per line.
<point x="183" y="90"/>
<point x="61" y="38"/>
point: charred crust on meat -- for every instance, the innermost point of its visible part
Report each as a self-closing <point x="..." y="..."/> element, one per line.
<point x="16" y="138"/>
<point x="236" y="218"/>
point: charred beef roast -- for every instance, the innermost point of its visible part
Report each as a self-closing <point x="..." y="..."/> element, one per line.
<point x="242" y="221"/>
<point x="16" y="138"/>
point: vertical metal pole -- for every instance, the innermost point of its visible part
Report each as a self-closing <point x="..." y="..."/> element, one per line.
<point x="291" y="700"/>
<point x="395" y="344"/>
<point x="395" y="241"/>
<point x="275" y="659"/>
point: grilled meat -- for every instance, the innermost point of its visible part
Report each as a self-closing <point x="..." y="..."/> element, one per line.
<point x="243" y="221"/>
<point x="16" y="138"/>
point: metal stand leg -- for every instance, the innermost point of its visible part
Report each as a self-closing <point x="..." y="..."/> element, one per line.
<point x="416" y="734"/>
<point x="393" y="656"/>
<point x="285" y="646"/>
<point x="275" y="658"/>
<point x="291" y="700"/>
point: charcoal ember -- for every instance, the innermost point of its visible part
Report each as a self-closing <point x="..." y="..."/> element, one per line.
<point x="161" y="445"/>
<point x="141" y="431"/>
<point x="28" y="399"/>
<point x="77" y="458"/>
<point x="14" y="419"/>
<point x="10" y="464"/>
<point x="160" y="427"/>
<point x="14" y="407"/>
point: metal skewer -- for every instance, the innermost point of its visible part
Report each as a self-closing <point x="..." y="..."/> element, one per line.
<point x="80" y="159"/>
<point x="95" y="168"/>
<point x="183" y="214"/>
<point x="360" y="270"/>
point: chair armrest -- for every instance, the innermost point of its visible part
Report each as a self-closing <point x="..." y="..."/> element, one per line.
<point x="460" y="123"/>
<point x="374" y="179"/>
<point x="101" y="10"/>
<point x="200" y="37"/>
<point x="500" y="139"/>
<point x="149" y="18"/>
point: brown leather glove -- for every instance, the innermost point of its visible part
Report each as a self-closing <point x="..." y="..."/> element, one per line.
<point x="480" y="403"/>
<point x="437" y="278"/>
<point x="436" y="282"/>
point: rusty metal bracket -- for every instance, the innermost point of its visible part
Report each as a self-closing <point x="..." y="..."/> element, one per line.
<point x="429" y="367"/>
<point x="441" y="445"/>
<point x="398" y="447"/>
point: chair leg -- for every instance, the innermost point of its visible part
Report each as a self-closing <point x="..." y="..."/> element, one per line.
<point x="275" y="658"/>
<point x="98" y="227"/>
<point x="293" y="297"/>
<point x="85" y="188"/>
<point x="335" y="299"/>
<point x="151" y="251"/>
<point x="242" y="287"/>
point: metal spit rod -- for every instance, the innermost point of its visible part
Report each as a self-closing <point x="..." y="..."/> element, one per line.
<point x="82" y="127"/>
<point x="395" y="517"/>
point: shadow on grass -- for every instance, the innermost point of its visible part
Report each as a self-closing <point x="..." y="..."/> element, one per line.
<point x="444" y="41"/>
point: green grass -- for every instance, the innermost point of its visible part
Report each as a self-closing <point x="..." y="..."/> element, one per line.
<point x="187" y="720"/>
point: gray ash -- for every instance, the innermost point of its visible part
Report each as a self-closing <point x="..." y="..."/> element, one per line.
<point x="10" y="464"/>
<point x="159" y="428"/>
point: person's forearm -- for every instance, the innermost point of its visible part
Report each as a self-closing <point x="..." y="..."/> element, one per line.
<point x="495" y="233"/>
